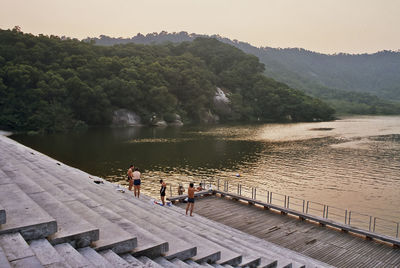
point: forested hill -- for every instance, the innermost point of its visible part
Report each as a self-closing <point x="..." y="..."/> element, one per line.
<point x="50" y="84"/>
<point x="364" y="83"/>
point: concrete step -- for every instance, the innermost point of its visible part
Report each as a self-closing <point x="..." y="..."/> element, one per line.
<point x="17" y="251"/>
<point x="90" y="196"/>
<point x="206" y="254"/>
<point x="110" y="235"/>
<point x="72" y="257"/>
<point x="220" y="234"/>
<point x="24" y="215"/>
<point x="94" y="257"/>
<point x="147" y="244"/>
<point x="227" y="266"/>
<point x="181" y="226"/>
<point x="132" y="260"/>
<point x="165" y="263"/>
<point x="192" y="263"/>
<point x="204" y="264"/>
<point x="206" y="251"/>
<point x="4" y="263"/>
<point x="2" y="215"/>
<point x="47" y="255"/>
<point x="71" y="227"/>
<point x="114" y="259"/>
<point x="217" y="265"/>
<point x="246" y="243"/>
<point x="180" y="263"/>
<point x="178" y="248"/>
<point x="148" y="263"/>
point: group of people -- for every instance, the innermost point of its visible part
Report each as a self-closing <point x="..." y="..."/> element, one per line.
<point x="134" y="180"/>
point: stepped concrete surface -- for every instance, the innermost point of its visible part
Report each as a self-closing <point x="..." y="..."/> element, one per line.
<point x="164" y="263"/>
<point x="72" y="257"/>
<point x="130" y="230"/>
<point x="47" y="255"/>
<point x="132" y="260"/>
<point x="71" y="227"/>
<point x="4" y="263"/>
<point x="114" y="259"/>
<point x="148" y="263"/>
<point x="2" y="215"/>
<point x="24" y="215"/>
<point x="17" y="251"/>
<point x="94" y="257"/>
<point x="180" y="263"/>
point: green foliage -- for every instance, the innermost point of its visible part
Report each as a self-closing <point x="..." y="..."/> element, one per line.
<point x="50" y="85"/>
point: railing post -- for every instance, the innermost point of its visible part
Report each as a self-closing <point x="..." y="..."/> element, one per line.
<point x="255" y="193"/>
<point x="326" y="212"/>
<point x="238" y="189"/>
<point x="397" y="232"/>
<point x="374" y="224"/>
<point x="252" y="193"/>
<point x="307" y="207"/>
<point x="218" y="184"/>
<point x="227" y="186"/>
<point x="240" y="193"/>
<point x="370" y="222"/>
<point x="270" y="198"/>
<point x="323" y="213"/>
<point x="170" y="190"/>
<point x="345" y="217"/>
<point x="349" y="217"/>
<point x="267" y="196"/>
<point x="304" y="202"/>
<point x="284" y="205"/>
<point x="288" y="202"/>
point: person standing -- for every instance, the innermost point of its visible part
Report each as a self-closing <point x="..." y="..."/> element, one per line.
<point x="162" y="191"/>
<point x="191" y="191"/>
<point x="136" y="182"/>
<point x="130" y="177"/>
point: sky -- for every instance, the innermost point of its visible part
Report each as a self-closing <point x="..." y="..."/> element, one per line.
<point x="326" y="26"/>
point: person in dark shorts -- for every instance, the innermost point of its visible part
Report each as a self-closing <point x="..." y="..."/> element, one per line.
<point x="162" y="191"/>
<point x="130" y="177"/>
<point x="136" y="182"/>
<point x="191" y="191"/>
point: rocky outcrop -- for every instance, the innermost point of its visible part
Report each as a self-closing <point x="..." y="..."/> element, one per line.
<point x="221" y="103"/>
<point x="175" y="120"/>
<point x="124" y="117"/>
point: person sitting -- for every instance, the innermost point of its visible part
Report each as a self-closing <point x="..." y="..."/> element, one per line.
<point x="200" y="187"/>
<point x="181" y="190"/>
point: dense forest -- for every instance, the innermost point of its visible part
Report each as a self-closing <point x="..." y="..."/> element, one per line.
<point x="49" y="84"/>
<point x="354" y="84"/>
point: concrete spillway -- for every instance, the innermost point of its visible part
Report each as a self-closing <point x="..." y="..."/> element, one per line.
<point x="53" y="215"/>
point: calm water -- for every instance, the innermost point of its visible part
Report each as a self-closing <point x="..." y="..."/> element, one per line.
<point x="353" y="163"/>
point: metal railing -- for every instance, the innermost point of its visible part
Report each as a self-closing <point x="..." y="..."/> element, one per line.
<point x="351" y="218"/>
<point x="344" y="216"/>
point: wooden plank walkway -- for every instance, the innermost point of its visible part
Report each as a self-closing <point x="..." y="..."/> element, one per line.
<point x="329" y="245"/>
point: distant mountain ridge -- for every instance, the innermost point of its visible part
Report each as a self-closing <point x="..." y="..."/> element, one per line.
<point x="342" y="78"/>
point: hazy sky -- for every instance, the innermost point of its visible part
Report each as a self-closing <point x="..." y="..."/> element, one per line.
<point x="328" y="26"/>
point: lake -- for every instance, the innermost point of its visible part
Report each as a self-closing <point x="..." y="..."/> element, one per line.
<point x="352" y="163"/>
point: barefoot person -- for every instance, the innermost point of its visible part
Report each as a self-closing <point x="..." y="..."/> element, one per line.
<point x="130" y="176"/>
<point x="190" y="204"/>
<point x="162" y="191"/>
<point x="136" y="182"/>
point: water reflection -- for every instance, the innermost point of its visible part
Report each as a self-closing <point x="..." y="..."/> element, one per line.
<point x="351" y="163"/>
